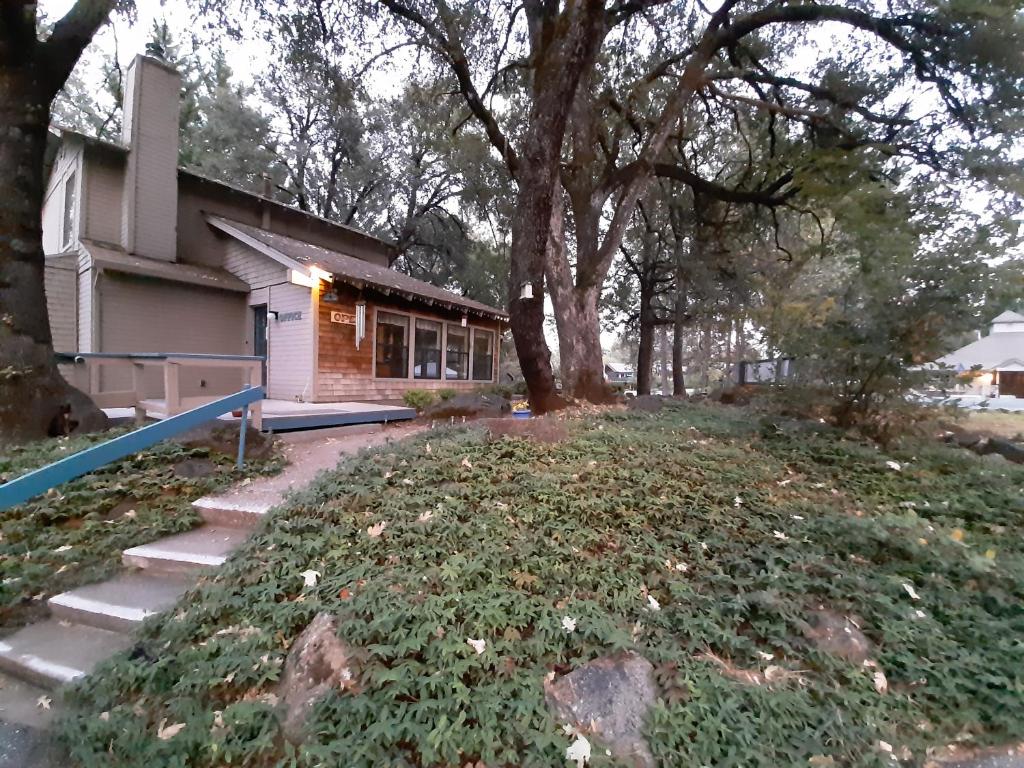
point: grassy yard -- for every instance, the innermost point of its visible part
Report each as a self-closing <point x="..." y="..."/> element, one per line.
<point x="74" y="535"/>
<point x="1007" y="425"/>
<point x="689" y="535"/>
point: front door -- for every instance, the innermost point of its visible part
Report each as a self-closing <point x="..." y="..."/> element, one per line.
<point x="259" y="336"/>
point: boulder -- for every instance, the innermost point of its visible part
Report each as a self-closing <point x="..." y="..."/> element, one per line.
<point x="221" y="438"/>
<point x="1009" y="451"/>
<point x="609" y="698"/>
<point x="318" y="663"/>
<point x="837" y="635"/>
<point x="472" y="405"/>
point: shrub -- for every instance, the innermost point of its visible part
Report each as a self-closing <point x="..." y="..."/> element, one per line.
<point x="418" y="399"/>
<point x="446" y="394"/>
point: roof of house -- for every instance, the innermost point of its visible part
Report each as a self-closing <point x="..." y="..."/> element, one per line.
<point x="619" y="367"/>
<point x="118" y="148"/>
<point x="1009" y="317"/>
<point x="348" y="269"/>
<point x="992" y="352"/>
<point x="116" y="258"/>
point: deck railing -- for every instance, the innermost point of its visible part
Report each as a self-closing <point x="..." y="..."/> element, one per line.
<point x="34" y="483"/>
<point x="88" y="367"/>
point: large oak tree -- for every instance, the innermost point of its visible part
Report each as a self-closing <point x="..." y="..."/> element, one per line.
<point x="33" y="69"/>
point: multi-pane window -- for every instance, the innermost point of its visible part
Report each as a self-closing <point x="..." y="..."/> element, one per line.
<point x="427" y="350"/>
<point x="392" y="346"/>
<point x="483" y="355"/>
<point x="457" y="353"/>
<point x="69" y="211"/>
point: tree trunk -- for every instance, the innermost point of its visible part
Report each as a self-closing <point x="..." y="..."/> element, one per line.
<point x="34" y="398"/>
<point x="678" y="328"/>
<point x="645" y="355"/>
<point x="664" y="359"/>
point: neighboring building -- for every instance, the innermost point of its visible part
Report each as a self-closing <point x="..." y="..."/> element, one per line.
<point x="619" y="373"/>
<point x="143" y="256"/>
<point x="997" y="360"/>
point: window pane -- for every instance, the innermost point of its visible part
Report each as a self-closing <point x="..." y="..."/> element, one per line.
<point x="392" y="346"/>
<point x="483" y="355"/>
<point x="69" y="210"/>
<point x="427" y="363"/>
<point x="456" y="364"/>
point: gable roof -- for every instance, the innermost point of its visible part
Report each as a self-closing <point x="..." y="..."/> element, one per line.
<point x="991" y="352"/>
<point x="297" y="254"/>
<point x="1009" y="317"/>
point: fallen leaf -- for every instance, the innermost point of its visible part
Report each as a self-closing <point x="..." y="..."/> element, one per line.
<point x="425" y="516"/>
<point x="653" y="604"/>
<point x="466" y="463"/>
<point x="881" y="683"/>
<point x="737" y="502"/>
<point x="44" y="702"/>
<point x="569" y="624"/>
<point x="374" y="531"/>
<point x="821" y="761"/>
<point x="429" y="449"/>
<point x="780" y="536"/>
<point x="990" y="554"/>
<point x="578" y="752"/>
<point x="910" y="591"/>
<point x="167" y="732"/>
<point x="345" y="593"/>
<point x="310" y="577"/>
<point x="957" y="534"/>
<point x="477" y="645"/>
<point x="894" y="465"/>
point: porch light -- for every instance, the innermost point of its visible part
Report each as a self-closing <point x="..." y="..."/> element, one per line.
<point x="527" y="291"/>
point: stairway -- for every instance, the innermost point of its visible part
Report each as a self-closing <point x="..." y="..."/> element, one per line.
<point x="92" y="623"/>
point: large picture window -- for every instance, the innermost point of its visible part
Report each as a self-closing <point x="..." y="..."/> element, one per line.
<point x="457" y="353"/>
<point x="483" y="355"/>
<point x="427" y="351"/>
<point x="392" y="346"/>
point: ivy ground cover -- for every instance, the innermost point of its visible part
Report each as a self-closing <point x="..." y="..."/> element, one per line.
<point x="466" y="570"/>
<point x="74" y="534"/>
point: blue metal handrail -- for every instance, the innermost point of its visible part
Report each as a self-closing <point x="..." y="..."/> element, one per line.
<point x="41" y="480"/>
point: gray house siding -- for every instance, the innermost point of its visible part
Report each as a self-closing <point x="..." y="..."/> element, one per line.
<point x="145" y="315"/>
<point x="61" y="284"/>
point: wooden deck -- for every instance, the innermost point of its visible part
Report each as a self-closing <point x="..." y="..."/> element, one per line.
<point x="284" y="415"/>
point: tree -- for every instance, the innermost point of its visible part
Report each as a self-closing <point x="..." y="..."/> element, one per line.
<point x="33" y="69"/>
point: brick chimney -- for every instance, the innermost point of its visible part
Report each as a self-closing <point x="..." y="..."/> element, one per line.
<point x="149" y="215"/>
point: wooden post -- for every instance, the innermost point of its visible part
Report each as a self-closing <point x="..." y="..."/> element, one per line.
<point x="254" y="378"/>
<point x="172" y="392"/>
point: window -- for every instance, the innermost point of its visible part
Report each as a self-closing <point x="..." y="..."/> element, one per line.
<point x="392" y="346"/>
<point x="427" y="351"/>
<point x="69" y="211"/>
<point x="457" y="353"/>
<point x="483" y="355"/>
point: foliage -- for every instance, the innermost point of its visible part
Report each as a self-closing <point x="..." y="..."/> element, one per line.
<point x="75" y="533"/>
<point x="445" y="394"/>
<point x="735" y="529"/>
<point x="418" y="398"/>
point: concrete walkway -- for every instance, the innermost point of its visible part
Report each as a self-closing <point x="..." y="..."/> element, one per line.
<point x="91" y="623"/>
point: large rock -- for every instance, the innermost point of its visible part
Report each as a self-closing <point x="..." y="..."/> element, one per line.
<point x="1006" y="449"/>
<point x="609" y="697"/>
<point x="318" y="663"/>
<point x="837" y="635"/>
<point x="471" y="405"/>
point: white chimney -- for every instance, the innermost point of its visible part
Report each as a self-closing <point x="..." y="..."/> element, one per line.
<point x="149" y="215"/>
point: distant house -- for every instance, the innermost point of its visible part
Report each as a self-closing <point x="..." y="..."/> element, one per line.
<point x="996" y="359"/>
<point x="619" y="373"/>
<point x="144" y="256"/>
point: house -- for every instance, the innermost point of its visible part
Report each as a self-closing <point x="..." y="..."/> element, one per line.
<point x="144" y="256"/>
<point x="619" y="373"/>
<point x="996" y="361"/>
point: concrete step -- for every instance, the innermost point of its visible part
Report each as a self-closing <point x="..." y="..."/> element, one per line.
<point x="233" y="512"/>
<point x="120" y="604"/>
<point x="52" y="653"/>
<point x="205" y="547"/>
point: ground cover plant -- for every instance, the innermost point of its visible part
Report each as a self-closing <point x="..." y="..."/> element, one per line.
<point x="75" y="533"/>
<point x="700" y="536"/>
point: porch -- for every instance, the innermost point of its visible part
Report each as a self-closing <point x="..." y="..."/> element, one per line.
<point x="159" y="385"/>
<point x="286" y="415"/>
